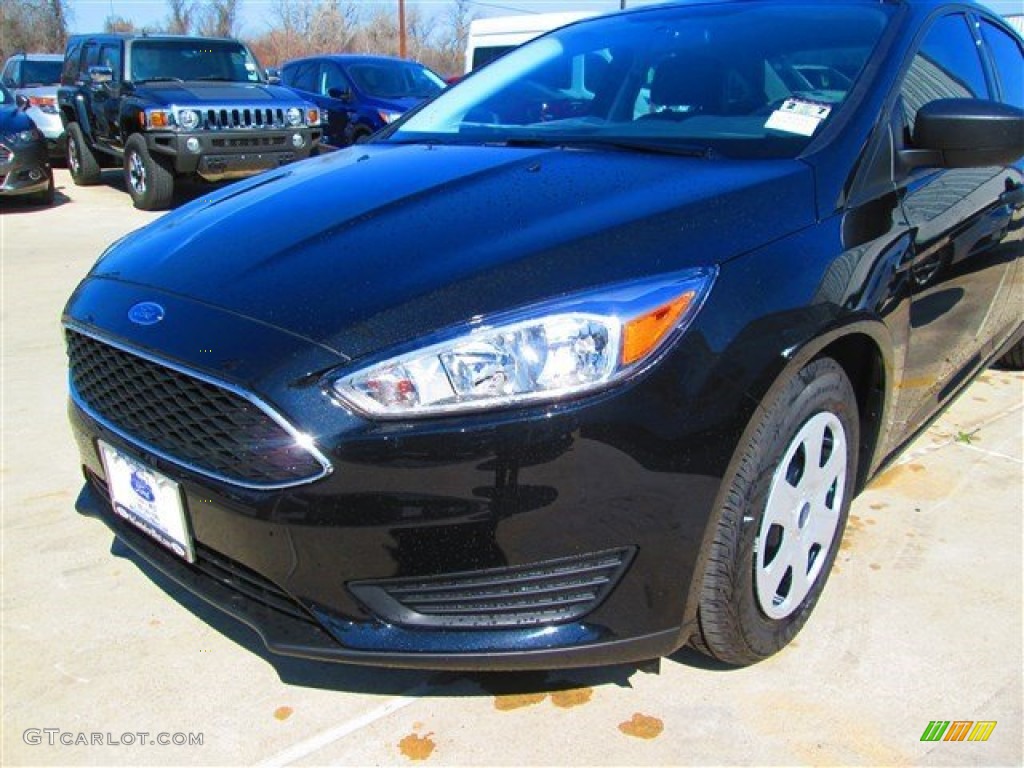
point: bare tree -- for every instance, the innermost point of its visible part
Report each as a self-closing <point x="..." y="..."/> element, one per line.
<point x="119" y="24"/>
<point x="33" y="26"/>
<point x="218" y="18"/>
<point x="181" y="18"/>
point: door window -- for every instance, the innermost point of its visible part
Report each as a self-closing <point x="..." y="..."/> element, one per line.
<point x="331" y="77"/>
<point x="110" y="56"/>
<point x="1009" y="63"/>
<point x="946" y="67"/>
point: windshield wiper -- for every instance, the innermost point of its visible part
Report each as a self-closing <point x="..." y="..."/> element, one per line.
<point x="220" y="79"/>
<point x="164" y="79"/>
<point x="592" y="142"/>
<point x="654" y="148"/>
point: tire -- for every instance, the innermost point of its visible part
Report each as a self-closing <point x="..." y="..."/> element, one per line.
<point x="1013" y="360"/>
<point x="85" y="169"/>
<point x="782" y="518"/>
<point x="47" y="196"/>
<point x="360" y="135"/>
<point x="148" y="179"/>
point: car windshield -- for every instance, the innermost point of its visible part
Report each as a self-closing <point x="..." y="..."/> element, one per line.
<point x="35" y="73"/>
<point x="737" y="80"/>
<point x="395" y="80"/>
<point x="187" y="59"/>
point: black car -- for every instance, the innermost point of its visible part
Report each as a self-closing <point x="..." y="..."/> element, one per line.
<point x="24" y="160"/>
<point x="360" y="94"/>
<point x="503" y="389"/>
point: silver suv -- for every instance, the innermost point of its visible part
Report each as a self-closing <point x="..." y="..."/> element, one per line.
<point x="36" y="77"/>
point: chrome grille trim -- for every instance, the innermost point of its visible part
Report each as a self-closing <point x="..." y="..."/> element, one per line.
<point x="247" y="117"/>
<point x="267" y="410"/>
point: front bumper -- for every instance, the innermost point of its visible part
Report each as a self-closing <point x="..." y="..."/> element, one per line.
<point x="324" y="567"/>
<point x="225" y="155"/>
<point x="26" y="172"/>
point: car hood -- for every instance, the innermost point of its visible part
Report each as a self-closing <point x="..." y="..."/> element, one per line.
<point x="215" y="93"/>
<point x="379" y="244"/>
<point x="13" y="120"/>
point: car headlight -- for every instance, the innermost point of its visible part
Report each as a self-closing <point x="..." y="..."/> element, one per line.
<point x="188" y="119"/>
<point x="293" y="116"/>
<point x="546" y="352"/>
<point x="388" y="116"/>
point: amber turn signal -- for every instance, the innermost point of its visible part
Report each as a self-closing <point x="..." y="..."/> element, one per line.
<point x="642" y="334"/>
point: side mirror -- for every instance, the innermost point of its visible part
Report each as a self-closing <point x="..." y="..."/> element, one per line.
<point x="965" y="133"/>
<point x="100" y="75"/>
<point x="22" y="102"/>
<point x="342" y="94"/>
<point x="273" y="75"/>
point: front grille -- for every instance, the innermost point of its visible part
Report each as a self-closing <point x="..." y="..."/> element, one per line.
<point x="521" y="596"/>
<point x="234" y="118"/>
<point x="255" y="142"/>
<point x="206" y="427"/>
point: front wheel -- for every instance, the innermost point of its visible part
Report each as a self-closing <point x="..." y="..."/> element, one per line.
<point x="150" y="183"/>
<point x="82" y="163"/>
<point x="783" y="517"/>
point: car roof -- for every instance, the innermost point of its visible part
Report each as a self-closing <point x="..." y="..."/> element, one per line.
<point x="39" y="56"/>
<point x="145" y="36"/>
<point x="351" y="58"/>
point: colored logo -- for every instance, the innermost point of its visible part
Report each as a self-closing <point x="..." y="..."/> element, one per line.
<point x="146" y="313"/>
<point x="958" y="730"/>
<point x="142" y="488"/>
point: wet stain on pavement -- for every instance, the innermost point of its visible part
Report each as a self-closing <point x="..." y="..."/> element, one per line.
<point x="642" y="726"/>
<point x="509" y="701"/>
<point x="914" y="480"/>
<point x="572" y="697"/>
<point x="283" y="713"/>
<point x="879" y="505"/>
<point x="416" y="747"/>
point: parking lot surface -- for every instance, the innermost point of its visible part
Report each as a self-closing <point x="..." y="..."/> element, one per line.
<point x="921" y="620"/>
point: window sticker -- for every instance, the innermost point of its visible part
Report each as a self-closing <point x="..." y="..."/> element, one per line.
<point x="797" y="116"/>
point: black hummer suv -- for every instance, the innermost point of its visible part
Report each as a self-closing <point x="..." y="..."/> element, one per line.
<point x="168" y="107"/>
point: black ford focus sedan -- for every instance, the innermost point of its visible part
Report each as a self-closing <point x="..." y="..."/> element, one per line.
<point x="581" y="361"/>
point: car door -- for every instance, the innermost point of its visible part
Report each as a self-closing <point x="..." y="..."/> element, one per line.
<point x="1006" y="56"/>
<point x="107" y="96"/>
<point x="960" y="224"/>
<point x="337" y="97"/>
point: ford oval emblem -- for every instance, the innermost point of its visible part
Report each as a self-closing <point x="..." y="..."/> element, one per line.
<point x="146" y="313"/>
<point x="142" y="488"/>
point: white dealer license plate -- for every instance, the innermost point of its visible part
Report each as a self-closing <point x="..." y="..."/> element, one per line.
<point x="148" y="500"/>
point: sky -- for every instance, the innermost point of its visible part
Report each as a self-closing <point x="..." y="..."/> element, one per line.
<point x="89" y="15"/>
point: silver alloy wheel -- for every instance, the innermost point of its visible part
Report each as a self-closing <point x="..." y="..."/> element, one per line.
<point x="136" y="173"/>
<point x="74" y="162"/>
<point x="801" y="516"/>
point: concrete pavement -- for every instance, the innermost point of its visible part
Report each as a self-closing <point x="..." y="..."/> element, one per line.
<point x="922" y="620"/>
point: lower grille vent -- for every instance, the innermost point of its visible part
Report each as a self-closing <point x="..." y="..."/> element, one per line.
<point x="520" y="596"/>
